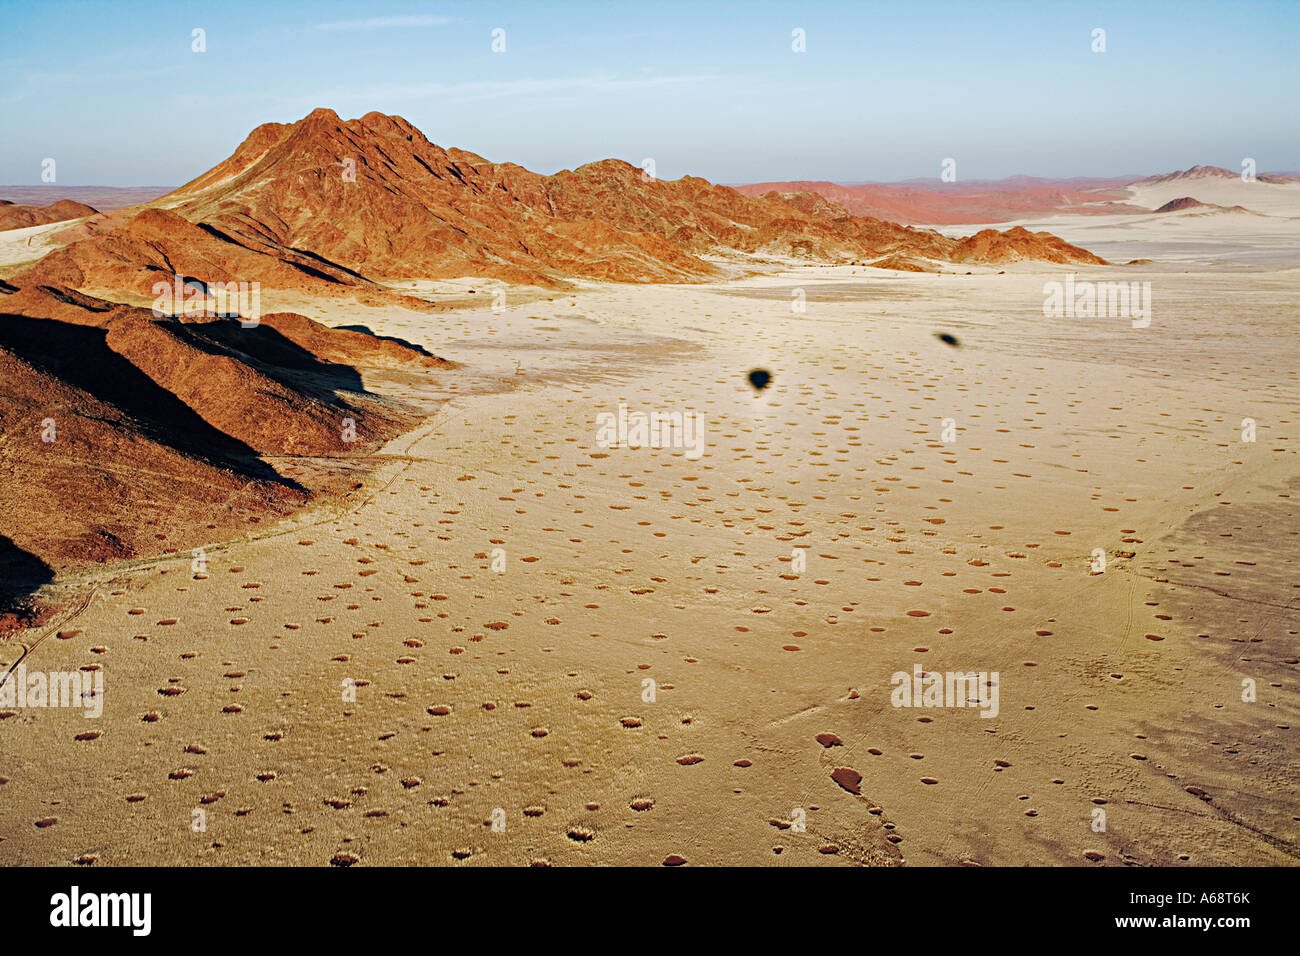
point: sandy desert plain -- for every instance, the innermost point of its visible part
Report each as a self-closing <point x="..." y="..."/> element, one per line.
<point x="515" y="646"/>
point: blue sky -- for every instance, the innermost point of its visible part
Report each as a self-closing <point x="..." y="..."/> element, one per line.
<point x="884" y="91"/>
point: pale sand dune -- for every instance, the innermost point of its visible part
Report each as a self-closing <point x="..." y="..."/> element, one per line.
<point x="523" y="689"/>
<point x="20" y="247"/>
<point x="1274" y="199"/>
<point x="1219" y="240"/>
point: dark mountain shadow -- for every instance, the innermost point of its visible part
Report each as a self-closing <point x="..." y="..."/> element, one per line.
<point x="331" y="263"/>
<point x="79" y="356"/>
<point x="365" y="330"/>
<point x="21" y="574"/>
<point x="270" y="352"/>
<point x="304" y="267"/>
<point x="71" y="297"/>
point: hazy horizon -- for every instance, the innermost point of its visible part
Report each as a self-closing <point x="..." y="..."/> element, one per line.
<point x="878" y="95"/>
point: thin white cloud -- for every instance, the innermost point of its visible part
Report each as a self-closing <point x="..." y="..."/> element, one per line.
<point x="383" y="23"/>
<point x="395" y="97"/>
<point x="97" y="76"/>
<point x="39" y="84"/>
<point x="504" y="89"/>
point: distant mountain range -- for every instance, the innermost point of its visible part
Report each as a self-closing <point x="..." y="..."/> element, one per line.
<point x="15" y="216"/>
<point x="102" y="198"/>
<point x="933" y="202"/>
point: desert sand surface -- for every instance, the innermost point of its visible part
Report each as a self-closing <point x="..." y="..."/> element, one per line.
<point x="518" y="646"/>
<point x="19" y="247"/>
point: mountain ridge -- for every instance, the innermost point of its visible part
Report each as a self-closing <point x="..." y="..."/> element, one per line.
<point x="326" y="206"/>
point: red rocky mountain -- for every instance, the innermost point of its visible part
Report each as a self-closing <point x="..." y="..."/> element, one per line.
<point x="325" y="204"/>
